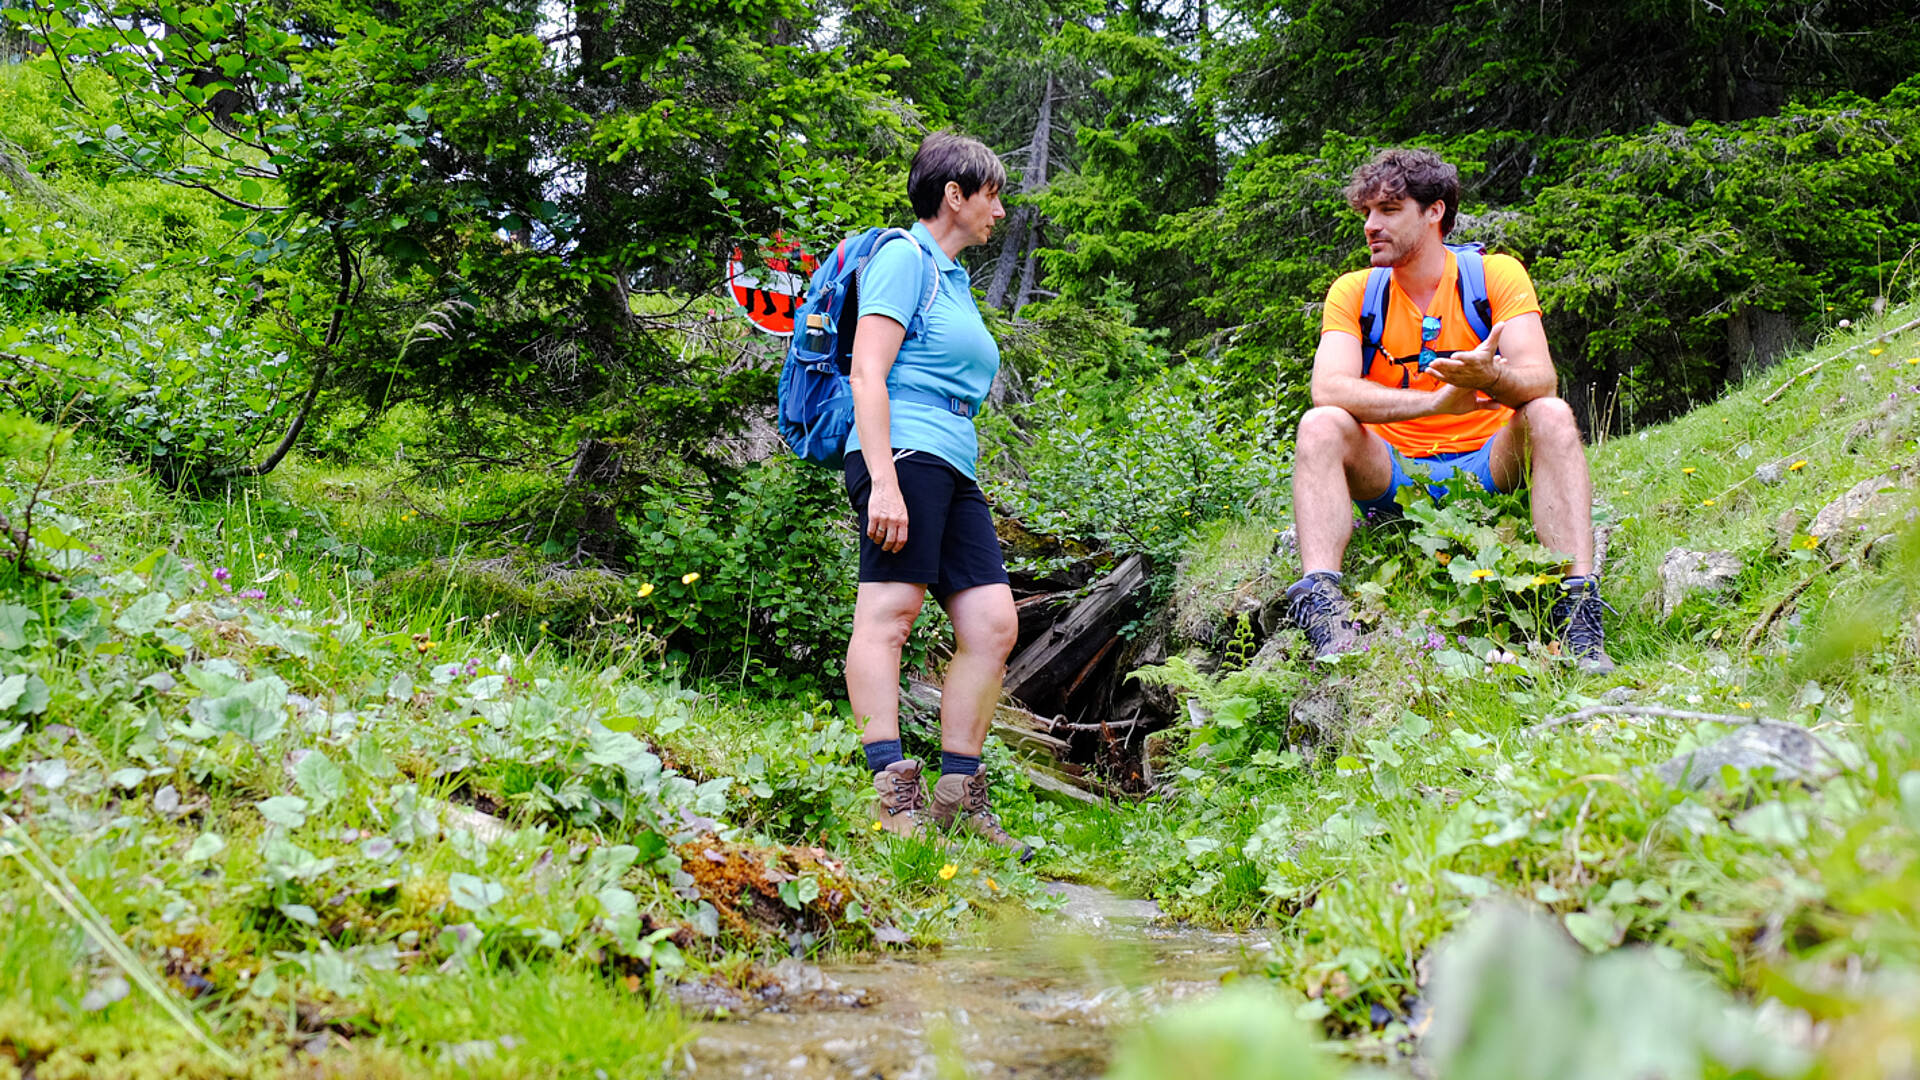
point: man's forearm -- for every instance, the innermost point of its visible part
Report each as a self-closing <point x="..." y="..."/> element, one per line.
<point x="1517" y="384"/>
<point x="1371" y="403"/>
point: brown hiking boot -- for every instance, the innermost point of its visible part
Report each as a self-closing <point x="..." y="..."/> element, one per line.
<point x="960" y="801"/>
<point x="901" y="808"/>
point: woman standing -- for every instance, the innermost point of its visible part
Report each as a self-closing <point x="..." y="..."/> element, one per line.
<point x="910" y="474"/>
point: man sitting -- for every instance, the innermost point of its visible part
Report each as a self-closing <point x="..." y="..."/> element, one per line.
<point x="1435" y="398"/>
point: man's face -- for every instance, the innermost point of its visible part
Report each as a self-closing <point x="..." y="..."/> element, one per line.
<point x="1397" y="228"/>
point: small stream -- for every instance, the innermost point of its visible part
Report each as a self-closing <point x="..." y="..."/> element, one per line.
<point x="1042" y="998"/>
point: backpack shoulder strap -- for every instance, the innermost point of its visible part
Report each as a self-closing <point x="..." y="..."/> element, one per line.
<point x="1472" y="278"/>
<point x="1373" y="315"/>
<point x="929" y="266"/>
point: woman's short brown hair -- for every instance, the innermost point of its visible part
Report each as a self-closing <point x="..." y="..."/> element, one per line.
<point x="948" y="158"/>
<point x="1407" y="173"/>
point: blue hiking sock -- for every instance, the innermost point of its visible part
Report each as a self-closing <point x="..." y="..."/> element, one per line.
<point x="883" y="753"/>
<point x="964" y="764"/>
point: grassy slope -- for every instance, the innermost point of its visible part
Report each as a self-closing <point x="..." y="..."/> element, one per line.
<point x="380" y="918"/>
<point x="1432" y="794"/>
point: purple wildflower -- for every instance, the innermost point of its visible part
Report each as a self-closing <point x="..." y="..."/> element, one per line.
<point x="295" y="601"/>
<point x="221" y="574"/>
<point x="1434" y="640"/>
<point x="252" y="594"/>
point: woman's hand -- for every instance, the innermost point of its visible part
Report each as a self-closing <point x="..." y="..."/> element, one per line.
<point x="887" y="516"/>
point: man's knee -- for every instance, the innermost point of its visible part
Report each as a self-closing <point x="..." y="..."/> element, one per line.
<point x="1326" y="429"/>
<point x="1551" y="423"/>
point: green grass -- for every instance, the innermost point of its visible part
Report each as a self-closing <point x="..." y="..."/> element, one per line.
<point x="271" y="799"/>
<point x="1360" y="851"/>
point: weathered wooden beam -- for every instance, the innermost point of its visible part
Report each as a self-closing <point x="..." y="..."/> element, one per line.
<point x="1040" y="674"/>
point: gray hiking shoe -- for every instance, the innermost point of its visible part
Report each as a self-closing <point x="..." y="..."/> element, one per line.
<point x="901" y="808"/>
<point x="1319" y="608"/>
<point x="1575" y="620"/>
<point x="960" y="802"/>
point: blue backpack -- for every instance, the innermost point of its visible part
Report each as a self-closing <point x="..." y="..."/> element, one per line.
<point x="816" y="396"/>
<point x="1472" y="279"/>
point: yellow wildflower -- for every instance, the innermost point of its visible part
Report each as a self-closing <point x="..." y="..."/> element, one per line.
<point x="1798" y="465"/>
<point x="1708" y="502"/>
<point x="1483" y="572"/>
<point x="991" y="884"/>
<point x="1746" y="704"/>
<point x="947" y="872"/>
<point x="1689" y="470"/>
<point x="877" y="826"/>
<point x="688" y="579"/>
<point x="1809" y="543"/>
<point x="1875" y="352"/>
<point x="1913" y="359"/>
<point x="1444" y="557"/>
<point x="646" y="590"/>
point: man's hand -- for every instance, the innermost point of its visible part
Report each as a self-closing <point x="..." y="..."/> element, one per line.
<point x="1477" y="368"/>
<point x="887" y="516"/>
<point x="1455" y="400"/>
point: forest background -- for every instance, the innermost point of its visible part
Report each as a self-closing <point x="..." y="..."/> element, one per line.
<point x="408" y="316"/>
<point x="500" y="229"/>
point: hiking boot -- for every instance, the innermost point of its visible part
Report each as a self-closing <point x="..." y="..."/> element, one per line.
<point x="1318" y="607"/>
<point x="960" y="801"/>
<point x="901" y="808"/>
<point x="1575" y="620"/>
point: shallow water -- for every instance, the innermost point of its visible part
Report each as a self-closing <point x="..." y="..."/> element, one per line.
<point x="1045" y="999"/>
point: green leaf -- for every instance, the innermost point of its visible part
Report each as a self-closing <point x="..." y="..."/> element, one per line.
<point x="299" y="913"/>
<point x="143" y="614"/>
<point x="1597" y="930"/>
<point x="13" y="625"/>
<point x="320" y="778"/>
<point x="255" y="711"/>
<point x="472" y="893"/>
<point x="287" y="811"/>
<point x="204" y="847"/>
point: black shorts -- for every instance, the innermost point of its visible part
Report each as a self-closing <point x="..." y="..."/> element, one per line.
<point x="951" y="545"/>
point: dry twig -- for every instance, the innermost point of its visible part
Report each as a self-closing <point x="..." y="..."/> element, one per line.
<point x="1811" y="368"/>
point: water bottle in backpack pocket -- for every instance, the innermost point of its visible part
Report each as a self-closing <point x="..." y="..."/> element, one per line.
<point x="816" y="396"/>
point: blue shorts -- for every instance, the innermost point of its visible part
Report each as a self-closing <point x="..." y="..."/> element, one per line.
<point x="1434" y="469"/>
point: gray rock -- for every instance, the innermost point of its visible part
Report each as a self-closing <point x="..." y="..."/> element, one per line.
<point x="1619" y="695"/>
<point x="1685" y="573"/>
<point x="1771" y="473"/>
<point x="1789" y="751"/>
<point x="1866" y="501"/>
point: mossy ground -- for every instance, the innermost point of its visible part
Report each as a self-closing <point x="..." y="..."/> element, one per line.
<point x="338" y="810"/>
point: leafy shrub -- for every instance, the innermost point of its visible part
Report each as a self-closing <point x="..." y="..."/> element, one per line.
<point x="51" y="267"/>
<point x="759" y="573"/>
<point x="1182" y="451"/>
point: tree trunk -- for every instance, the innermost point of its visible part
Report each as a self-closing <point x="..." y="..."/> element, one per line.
<point x="1032" y="181"/>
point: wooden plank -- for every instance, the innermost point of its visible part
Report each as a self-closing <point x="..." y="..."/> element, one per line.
<point x="1060" y="790"/>
<point x="1039" y="674"/>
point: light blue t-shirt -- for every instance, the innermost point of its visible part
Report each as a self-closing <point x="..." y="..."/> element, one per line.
<point x="955" y="357"/>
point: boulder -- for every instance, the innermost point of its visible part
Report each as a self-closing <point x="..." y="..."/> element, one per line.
<point x="1789" y="751"/>
<point x="1685" y="573"/>
<point x="1865" y="502"/>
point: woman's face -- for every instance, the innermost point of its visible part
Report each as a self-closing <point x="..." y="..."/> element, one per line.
<point x="975" y="214"/>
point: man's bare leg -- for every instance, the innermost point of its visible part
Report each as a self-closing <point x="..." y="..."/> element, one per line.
<point x="1335" y="461"/>
<point x="1560" y="487"/>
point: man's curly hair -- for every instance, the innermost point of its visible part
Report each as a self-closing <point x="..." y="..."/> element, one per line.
<point x="1407" y="173"/>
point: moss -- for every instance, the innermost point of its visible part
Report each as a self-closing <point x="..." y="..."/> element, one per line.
<point x="1230" y="568"/>
<point x="517" y="589"/>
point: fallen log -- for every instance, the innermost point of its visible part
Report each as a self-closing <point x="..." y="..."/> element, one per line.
<point x="1016" y="726"/>
<point x="1041" y="675"/>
